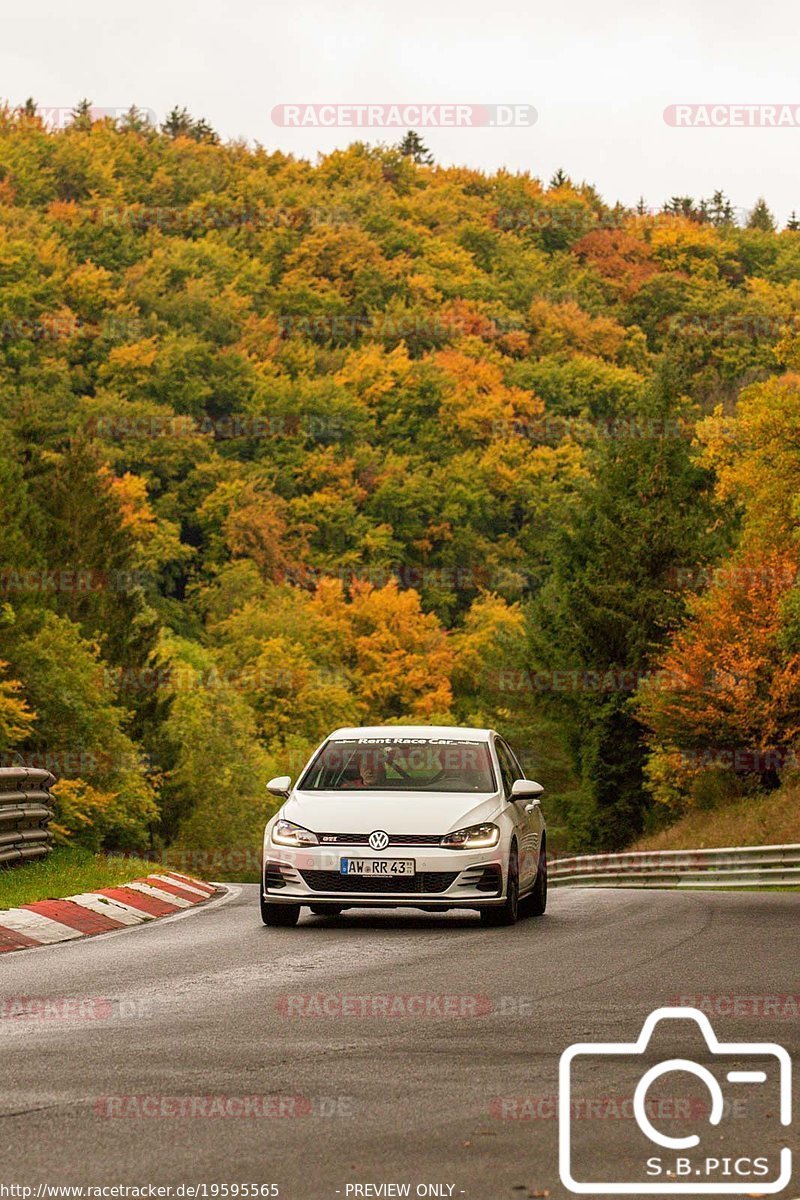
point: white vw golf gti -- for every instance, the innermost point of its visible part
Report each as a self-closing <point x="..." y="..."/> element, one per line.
<point x="407" y="817"/>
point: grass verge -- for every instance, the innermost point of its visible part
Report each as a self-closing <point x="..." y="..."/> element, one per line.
<point x="67" y="871"/>
<point x="771" y="820"/>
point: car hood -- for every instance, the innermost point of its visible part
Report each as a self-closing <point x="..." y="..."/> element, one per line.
<point x="355" y="811"/>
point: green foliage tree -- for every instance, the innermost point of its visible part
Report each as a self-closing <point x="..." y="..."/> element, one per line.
<point x="215" y="767"/>
<point x="80" y="728"/>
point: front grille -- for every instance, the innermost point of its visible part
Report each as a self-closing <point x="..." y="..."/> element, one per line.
<point x="395" y="839"/>
<point x="429" y="882"/>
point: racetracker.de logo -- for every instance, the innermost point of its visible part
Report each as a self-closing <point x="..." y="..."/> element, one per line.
<point x="385" y="1005"/>
<point x="733" y="116"/>
<point x="404" y="116"/>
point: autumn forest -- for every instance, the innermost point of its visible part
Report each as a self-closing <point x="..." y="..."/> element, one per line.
<point x="287" y="446"/>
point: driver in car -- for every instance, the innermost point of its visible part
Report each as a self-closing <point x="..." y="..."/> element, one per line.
<point x="371" y="767"/>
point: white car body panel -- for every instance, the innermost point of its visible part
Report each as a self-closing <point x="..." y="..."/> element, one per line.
<point x="398" y="812"/>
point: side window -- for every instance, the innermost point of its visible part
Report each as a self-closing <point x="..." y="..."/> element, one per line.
<point x="508" y="771"/>
<point x="519" y="772"/>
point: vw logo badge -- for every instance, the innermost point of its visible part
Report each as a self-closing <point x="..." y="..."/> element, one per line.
<point x="379" y="840"/>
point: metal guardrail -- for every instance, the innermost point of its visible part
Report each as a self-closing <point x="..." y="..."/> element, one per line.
<point x="25" y="813"/>
<point x="731" y="866"/>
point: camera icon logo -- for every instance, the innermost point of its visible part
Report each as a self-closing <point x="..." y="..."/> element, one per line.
<point x="661" y="1144"/>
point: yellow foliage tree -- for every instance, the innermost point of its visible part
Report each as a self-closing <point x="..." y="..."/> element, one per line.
<point x="400" y="654"/>
<point x="16" y="717"/>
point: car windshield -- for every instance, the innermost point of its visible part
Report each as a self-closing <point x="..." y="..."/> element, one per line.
<point x="401" y="764"/>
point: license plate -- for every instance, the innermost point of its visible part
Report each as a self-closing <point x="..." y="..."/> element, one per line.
<point x="377" y="866"/>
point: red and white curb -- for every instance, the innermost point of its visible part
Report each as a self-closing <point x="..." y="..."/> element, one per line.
<point x="49" y="921"/>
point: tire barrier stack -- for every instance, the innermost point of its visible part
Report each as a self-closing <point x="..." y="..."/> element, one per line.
<point x="26" y="808"/>
<point x="732" y="867"/>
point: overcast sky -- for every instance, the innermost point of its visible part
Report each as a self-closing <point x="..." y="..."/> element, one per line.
<point x="599" y="75"/>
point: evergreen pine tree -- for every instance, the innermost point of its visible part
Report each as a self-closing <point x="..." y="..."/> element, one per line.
<point x="178" y="123"/>
<point x="413" y="147"/>
<point x="720" y="209"/>
<point x="760" y="217"/>
<point x="600" y="616"/>
<point x="82" y="115"/>
<point x="682" y="206"/>
<point x="135" y="121"/>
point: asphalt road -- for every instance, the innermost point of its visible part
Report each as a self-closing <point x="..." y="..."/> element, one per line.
<point x="206" y="1006"/>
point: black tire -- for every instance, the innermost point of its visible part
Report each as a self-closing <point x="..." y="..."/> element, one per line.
<point x="326" y="910"/>
<point x="536" y="903"/>
<point x="508" y="912"/>
<point x="285" y="915"/>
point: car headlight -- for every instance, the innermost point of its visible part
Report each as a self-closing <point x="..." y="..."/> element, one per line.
<point x="476" y="837"/>
<point x="286" y="833"/>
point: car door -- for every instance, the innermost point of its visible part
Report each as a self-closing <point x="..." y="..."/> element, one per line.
<point x="524" y="817"/>
<point x="533" y="812"/>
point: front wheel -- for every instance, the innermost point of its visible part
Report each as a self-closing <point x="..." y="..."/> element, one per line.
<point x="508" y="912"/>
<point x="279" y="914"/>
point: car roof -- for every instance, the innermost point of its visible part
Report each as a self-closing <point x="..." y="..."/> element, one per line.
<point x="452" y="732"/>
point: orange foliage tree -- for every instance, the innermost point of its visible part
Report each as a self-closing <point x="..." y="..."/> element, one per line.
<point x="727" y="690"/>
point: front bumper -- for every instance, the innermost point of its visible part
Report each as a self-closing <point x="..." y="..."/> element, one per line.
<point x="443" y="878"/>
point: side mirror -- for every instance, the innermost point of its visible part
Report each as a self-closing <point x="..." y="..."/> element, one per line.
<point x="526" y="789"/>
<point x="281" y="785"/>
